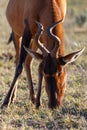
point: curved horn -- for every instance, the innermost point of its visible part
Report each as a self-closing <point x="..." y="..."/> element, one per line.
<point x="55" y="38"/>
<point x="37" y="37"/>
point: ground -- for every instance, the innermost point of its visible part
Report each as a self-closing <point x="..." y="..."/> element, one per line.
<point x="22" y="115"/>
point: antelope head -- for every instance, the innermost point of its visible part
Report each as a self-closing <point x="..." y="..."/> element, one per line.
<point x="53" y="67"/>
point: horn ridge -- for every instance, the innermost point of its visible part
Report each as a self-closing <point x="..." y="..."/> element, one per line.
<point x="37" y="37"/>
<point x="55" y="38"/>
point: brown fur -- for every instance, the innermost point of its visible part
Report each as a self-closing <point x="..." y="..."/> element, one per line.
<point x="46" y="12"/>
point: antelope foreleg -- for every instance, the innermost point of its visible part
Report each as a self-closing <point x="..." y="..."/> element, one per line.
<point x="39" y="86"/>
<point x="25" y="42"/>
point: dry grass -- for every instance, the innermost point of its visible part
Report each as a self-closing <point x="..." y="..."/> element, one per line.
<point x="22" y="115"/>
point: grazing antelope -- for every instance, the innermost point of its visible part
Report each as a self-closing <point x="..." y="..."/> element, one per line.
<point x="52" y="67"/>
<point x="21" y="16"/>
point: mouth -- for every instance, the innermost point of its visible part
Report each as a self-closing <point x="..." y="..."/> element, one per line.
<point x="53" y="105"/>
<point x="52" y="89"/>
<point x="53" y="102"/>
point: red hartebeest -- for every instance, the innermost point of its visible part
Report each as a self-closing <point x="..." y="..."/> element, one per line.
<point x="21" y="16"/>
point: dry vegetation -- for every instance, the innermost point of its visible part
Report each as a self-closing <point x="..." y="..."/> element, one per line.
<point x="22" y="115"/>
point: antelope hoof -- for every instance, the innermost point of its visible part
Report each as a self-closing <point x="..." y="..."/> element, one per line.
<point x="37" y="105"/>
<point x="33" y="99"/>
<point x="6" y="103"/>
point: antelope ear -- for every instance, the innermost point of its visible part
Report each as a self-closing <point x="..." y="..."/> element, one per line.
<point x="70" y="57"/>
<point x="33" y="54"/>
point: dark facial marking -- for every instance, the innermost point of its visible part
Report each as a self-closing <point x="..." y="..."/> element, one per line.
<point x="50" y="66"/>
<point x="52" y="88"/>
